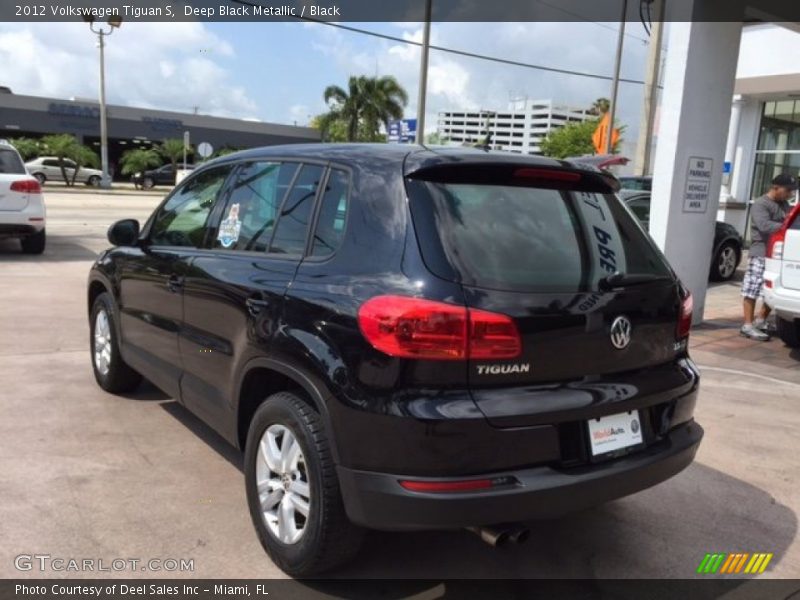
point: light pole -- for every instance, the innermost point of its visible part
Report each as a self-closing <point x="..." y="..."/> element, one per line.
<point x="114" y="22"/>
<point x="615" y="84"/>
<point x="423" y="73"/>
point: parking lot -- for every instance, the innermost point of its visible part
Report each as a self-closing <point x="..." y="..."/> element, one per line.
<point x="90" y="475"/>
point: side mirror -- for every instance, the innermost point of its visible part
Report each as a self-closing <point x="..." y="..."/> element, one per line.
<point x="124" y="233"/>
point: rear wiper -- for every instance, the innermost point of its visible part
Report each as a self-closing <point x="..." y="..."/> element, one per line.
<point x="616" y="280"/>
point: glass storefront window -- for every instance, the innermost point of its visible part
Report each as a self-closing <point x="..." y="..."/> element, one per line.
<point x="778" y="143"/>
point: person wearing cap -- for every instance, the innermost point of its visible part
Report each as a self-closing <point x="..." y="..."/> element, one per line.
<point x="766" y="217"/>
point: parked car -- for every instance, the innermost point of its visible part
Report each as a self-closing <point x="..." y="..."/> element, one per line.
<point x="47" y="168"/>
<point x="403" y="338"/>
<point x="726" y="252"/>
<point x="642" y="184"/>
<point x="782" y="278"/>
<point x="22" y="212"/>
<point x="163" y="175"/>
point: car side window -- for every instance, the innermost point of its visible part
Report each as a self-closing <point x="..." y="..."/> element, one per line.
<point x="248" y="219"/>
<point x="50" y="163"/>
<point x="333" y="210"/>
<point x="292" y="228"/>
<point x="181" y="221"/>
<point x="641" y="208"/>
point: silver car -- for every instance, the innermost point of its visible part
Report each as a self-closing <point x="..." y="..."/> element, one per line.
<point x="47" y="168"/>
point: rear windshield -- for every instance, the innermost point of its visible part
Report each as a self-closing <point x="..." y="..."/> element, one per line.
<point x="10" y="162"/>
<point x="528" y="239"/>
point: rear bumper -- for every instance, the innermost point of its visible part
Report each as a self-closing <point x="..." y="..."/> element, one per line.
<point x="19" y="230"/>
<point x="378" y="501"/>
<point x="19" y="223"/>
<point x="785" y="302"/>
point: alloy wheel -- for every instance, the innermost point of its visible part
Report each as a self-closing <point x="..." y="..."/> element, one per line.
<point x="727" y="262"/>
<point x="282" y="482"/>
<point x="102" y="343"/>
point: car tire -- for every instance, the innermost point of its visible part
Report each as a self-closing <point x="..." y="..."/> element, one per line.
<point x="93" y="181"/>
<point x="34" y="243"/>
<point x="327" y="538"/>
<point x="41" y="178"/>
<point x="148" y="183"/>
<point x="726" y="259"/>
<point x="788" y="331"/>
<point x="111" y="372"/>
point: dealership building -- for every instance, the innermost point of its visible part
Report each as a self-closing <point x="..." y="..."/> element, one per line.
<point x="764" y="132"/>
<point x="129" y="127"/>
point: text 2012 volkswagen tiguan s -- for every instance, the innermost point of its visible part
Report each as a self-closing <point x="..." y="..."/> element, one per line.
<point x="400" y="337"/>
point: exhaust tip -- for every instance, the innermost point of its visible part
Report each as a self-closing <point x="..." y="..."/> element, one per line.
<point x="500" y="539"/>
<point x="520" y="536"/>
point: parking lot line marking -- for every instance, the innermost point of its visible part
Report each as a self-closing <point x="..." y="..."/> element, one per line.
<point x="749" y="374"/>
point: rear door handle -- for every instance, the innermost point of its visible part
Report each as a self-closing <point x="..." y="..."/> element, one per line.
<point x="255" y="306"/>
<point x="175" y="284"/>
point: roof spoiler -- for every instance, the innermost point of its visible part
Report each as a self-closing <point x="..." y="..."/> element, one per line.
<point x="564" y="176"/>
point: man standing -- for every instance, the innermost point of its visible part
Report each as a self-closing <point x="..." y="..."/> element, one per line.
<point x="766" y="218"/>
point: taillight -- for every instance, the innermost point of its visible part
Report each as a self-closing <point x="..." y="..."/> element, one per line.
<point x="449" y="485"/>
<point x="776" y="242"/>
<point x="552" y="174"/>
<point x="685" y="320"/>
<point x="425" y="329"/>
<point x="26" y="186"/>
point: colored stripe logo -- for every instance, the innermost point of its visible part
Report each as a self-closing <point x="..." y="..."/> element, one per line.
<point x="734" y="563"/>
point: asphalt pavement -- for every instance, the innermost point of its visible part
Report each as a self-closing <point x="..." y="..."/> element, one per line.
<point x="89" y="475"/>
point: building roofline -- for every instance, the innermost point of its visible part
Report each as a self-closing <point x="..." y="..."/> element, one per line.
<point x="118" y="111"/>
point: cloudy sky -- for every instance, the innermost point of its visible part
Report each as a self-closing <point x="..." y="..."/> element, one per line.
<point x="277" y="71"/>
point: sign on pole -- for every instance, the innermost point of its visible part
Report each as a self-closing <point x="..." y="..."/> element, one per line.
<point x="204" y="149"/>
<point x="698" y="184"/>
<point x="403" y="131"/>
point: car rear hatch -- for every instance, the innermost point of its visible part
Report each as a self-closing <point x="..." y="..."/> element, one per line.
<point x="595" y="305"/>
<point x="786" y="245"/>
<point x="11" y="170"/>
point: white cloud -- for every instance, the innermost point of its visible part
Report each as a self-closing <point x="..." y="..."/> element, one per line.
<point x="459" y="82"/>
<point x="172" y="66"/>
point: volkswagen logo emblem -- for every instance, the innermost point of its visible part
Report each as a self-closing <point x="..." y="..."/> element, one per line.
<point x="621" y="332"/>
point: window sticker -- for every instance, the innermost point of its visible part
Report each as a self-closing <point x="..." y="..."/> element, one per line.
<point x="230" y="227"/>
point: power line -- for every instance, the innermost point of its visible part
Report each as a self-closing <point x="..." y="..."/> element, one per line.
<point x="582" y="18"/>
<point x="475" y="55"/>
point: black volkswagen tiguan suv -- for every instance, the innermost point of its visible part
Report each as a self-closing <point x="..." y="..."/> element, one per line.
<point x="402" y="338"/>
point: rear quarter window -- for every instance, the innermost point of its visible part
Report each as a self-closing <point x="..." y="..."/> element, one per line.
<point x="11" y="163"/>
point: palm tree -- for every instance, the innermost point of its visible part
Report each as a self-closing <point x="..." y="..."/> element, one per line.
<point x="600" y="106"/>
<point x="61" y="146"/>
<point x="367" y="103"/>
<point x="83" y="157"/>
<point x="346" y="106"/>
<point x="139" y="159"/>
<point x="385" y="101"/>
<point x="172" y="150"/>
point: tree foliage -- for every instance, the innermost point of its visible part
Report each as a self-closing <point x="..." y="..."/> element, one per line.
<point x="357" y="113"/>
<point x="83" y="157"/>
<point x="574" y="139"/>
<point x="172" y="150"/>
<point x="600" y="106"/>
<point x="436" y="139"/>
<point x="60" y="146"/>
<point x="28" y="148"/>
<point x="139" y="159"/>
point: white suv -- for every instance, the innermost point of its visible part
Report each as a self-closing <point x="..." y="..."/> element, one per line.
<point x="782" y="278"/>
<point x="22" y="213"/>
<point x="47" y="168"/>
